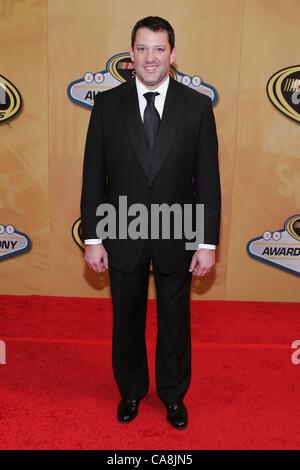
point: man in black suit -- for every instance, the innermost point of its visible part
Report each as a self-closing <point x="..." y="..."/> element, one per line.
<point x="154" y="141"/>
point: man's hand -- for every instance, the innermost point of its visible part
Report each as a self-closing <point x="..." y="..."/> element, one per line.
<point x="96" y="257"/>
<point x="202" y="262"/>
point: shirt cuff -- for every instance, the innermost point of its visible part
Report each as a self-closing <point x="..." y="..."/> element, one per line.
<point x="206" y="246"/>
<point x="93" y="241"/>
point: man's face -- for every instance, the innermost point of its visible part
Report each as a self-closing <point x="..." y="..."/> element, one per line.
<point x="152" y="56"/>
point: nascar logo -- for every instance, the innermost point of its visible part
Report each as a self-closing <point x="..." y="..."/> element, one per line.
<point x="10" y="99"/>
<point x="119" y="69"/>
<point x="279" y="248"/>
<point x="283" y="89"/>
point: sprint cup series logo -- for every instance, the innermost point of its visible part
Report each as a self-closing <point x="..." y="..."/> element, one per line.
<point x="283" y="89"/>
<point x="12" y="242"/>
<point x="10" y="99"/>
<point x="281" y="248"/>
<point x="119" y="69"/>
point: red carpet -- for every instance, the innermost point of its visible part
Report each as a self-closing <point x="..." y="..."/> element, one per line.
<point x="58" y="391"/>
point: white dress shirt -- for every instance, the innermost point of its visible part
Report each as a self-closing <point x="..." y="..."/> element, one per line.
<point x="159" y="104"/>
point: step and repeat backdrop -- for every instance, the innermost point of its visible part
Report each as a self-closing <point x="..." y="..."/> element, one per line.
<point x="54" y="57"/>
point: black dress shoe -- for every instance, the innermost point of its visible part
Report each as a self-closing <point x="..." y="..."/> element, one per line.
<point x="177" y="415"/>
<point x="127" y="410"/>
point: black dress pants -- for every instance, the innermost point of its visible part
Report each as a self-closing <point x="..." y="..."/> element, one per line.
<point x="173" y="343"/>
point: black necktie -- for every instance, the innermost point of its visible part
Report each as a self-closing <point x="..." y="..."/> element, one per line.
<point x="151" y="121"/>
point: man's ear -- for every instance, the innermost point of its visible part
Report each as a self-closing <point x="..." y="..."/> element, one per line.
<point x="173" y="55"/>
<point x="131" y="54"/>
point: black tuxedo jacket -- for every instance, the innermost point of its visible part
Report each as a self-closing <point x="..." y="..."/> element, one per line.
<point x="183" y="169"/>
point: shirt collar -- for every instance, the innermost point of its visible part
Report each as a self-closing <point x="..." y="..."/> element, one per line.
<point x="161" y="89"/>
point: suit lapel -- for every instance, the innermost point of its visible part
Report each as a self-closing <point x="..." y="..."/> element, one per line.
<point x="132" y="116"/>
<point x="172" y="113"/>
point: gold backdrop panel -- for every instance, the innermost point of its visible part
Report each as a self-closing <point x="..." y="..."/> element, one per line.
<point x="267" y="165"/>
<point x="235" y="46"/>
<point x="24" y="144"/>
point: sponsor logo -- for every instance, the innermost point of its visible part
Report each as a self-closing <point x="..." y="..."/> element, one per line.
<point x="12" y="242"/>
<point x="10" y="99"/>
<point x="280" y="248"/>
<point x="119" y="68"/>
<point x="283" y="89"/>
